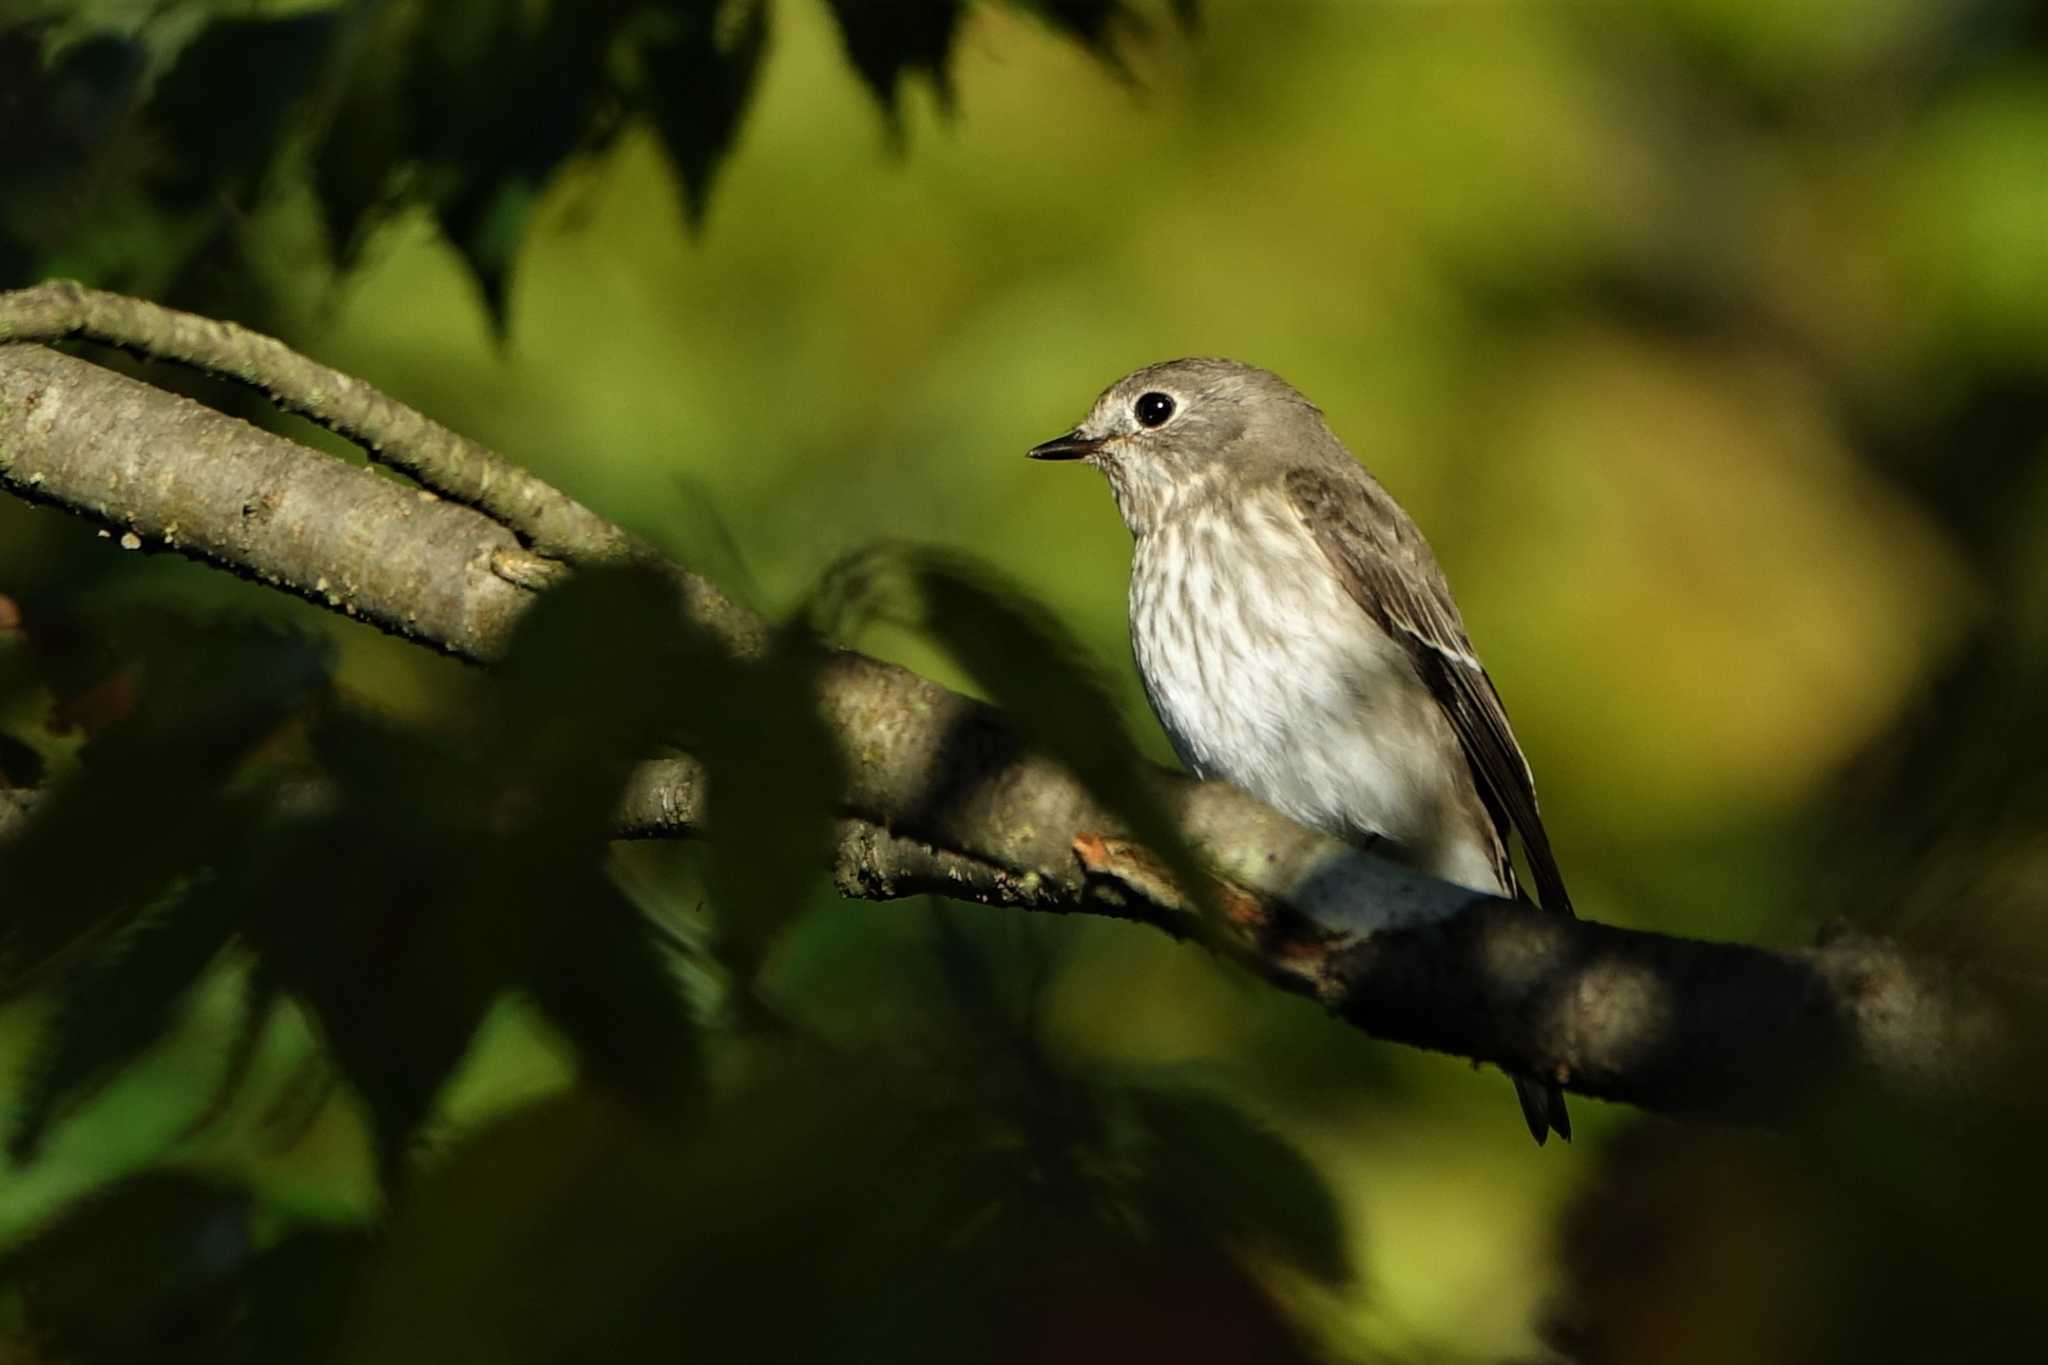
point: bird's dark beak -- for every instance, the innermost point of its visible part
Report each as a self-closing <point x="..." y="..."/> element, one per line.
<point x="1072" y="446"/>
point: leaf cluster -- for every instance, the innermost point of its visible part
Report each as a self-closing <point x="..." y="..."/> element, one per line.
<point x="746" y="1183"/>
<point x="137" y="150"/>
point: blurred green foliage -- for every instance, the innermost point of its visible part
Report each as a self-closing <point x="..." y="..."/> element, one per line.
<point x="1707" y="338"/>
<point x="391" y="883"/>
<point x="139" y="136"/>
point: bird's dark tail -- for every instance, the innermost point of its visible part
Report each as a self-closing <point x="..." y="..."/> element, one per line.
<point x="1543" y="1108"/>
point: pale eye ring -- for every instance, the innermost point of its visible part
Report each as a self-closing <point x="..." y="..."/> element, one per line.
<point x="1152" y="409"/>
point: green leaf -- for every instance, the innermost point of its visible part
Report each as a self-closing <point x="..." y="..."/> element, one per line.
<point x="393" y="940"/>
<point x="440" y="877"/>
<point x="699" y="67"/>
<point x="496" y="98"/>
<point x="395" y="913"/>
<point x="117" y="1007"/>
<point x="149" y="801"/>
<point x="357" y="159"/>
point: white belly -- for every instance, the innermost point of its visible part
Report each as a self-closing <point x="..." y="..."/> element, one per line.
<point x="1276" y="681"/>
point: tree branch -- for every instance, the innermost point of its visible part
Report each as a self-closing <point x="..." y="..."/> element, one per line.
<point x="388" y="431"/>
<point x="944" y="798"/>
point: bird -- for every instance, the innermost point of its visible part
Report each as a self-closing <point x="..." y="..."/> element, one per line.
<point x="1297" y="639"/>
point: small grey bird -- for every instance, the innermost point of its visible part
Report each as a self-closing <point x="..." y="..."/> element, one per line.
<point x="1297" y="639"/>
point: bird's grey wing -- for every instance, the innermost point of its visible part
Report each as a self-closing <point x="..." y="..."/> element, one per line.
<point x="1389" y="571"/>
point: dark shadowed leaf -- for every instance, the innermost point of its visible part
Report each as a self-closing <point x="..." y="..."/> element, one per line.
<point x="17" y="261"/>
<point x="775" y="784"/>
<point x="606" y="985"/>
<point x="469" y="108"/>
<point x="486" y="149"/>
<point x="395" y="912"/>
<point x="594" y="680"/>
<point x="114" y="1008"/>
<point x="1093" y="22"/>
<point x="887" y="40"/>
<point x="225" y="107"/>
<point x="147" y="1269"/>
<point x="1239" y="1182"/>
<point x="698" y="68"/>
<point x="57" y="113"/>
<point x="995" y="977"/>
<point x="440" y="876"/>
<point x="1011" y="1219"/>
<point x="299" y="1293"/>
<point x="20" y="765"/>
<point x="148" y="802"/>
<point x="355" y="167"/>
<point x="390" y="936"/>
<point x="1172" y="1169"/>
<point x="590" y="684"/>
<point x="798" y="1223"/>
<point x="585" y="1253"/>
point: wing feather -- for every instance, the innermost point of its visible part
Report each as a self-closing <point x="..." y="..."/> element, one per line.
<point x="1389" y="571"/>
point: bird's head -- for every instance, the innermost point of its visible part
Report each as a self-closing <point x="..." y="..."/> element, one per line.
<point x="1172" y="433"/>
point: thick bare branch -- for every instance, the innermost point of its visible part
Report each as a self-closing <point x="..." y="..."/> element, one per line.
<point x="943" y="797"/>
<point x="161" y="470"/>
<point x="390" y="432"/>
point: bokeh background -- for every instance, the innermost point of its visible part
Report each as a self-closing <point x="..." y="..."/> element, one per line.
<point x="1707" y="340"/>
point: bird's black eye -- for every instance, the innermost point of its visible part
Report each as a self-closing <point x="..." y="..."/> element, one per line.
<point x="1153" y="409"/>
